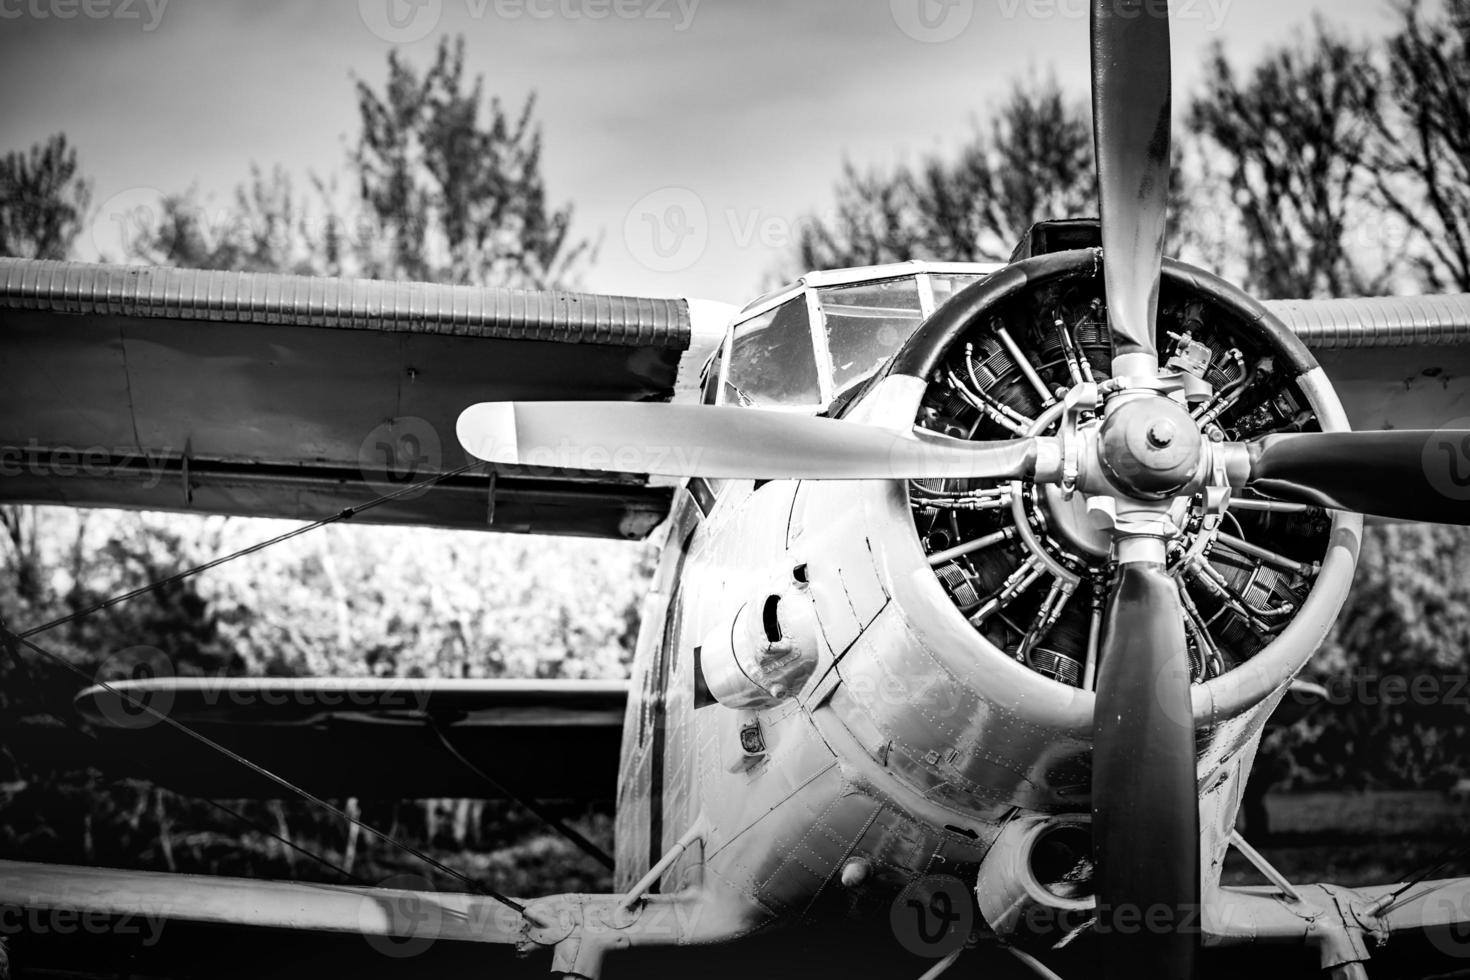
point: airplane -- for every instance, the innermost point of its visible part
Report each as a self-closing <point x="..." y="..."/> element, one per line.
<point x="978" y="585"/>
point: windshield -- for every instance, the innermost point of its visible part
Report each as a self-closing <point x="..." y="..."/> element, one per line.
<point x="772" y="362"/>
<point x="776" y="359"/>
<point x="866" y="324"/>
<point x="945" y="287"/>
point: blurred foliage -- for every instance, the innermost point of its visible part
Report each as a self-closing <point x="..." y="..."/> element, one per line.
<point x="449" y="189"/>
<point x="344" y="601"/>
<point x="1033" y="162"/>
<point x="457" y="201"/>
<point x="43" y="200"/>
<point x="442" y="185"/>
<point x="1395" y="667"/>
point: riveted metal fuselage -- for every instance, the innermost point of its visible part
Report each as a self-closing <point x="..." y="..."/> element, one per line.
<point x="911" y="747"/>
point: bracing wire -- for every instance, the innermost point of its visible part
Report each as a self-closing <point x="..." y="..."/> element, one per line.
<point x="343" y="515"/>
<point x="11" y="639"/>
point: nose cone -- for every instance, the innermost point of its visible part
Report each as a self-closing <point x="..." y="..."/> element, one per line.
<point x="1151" y="447"/>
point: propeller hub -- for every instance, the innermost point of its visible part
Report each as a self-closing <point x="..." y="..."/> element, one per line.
<point x="1151" y="447"/>
<point x="1161" y="434"/>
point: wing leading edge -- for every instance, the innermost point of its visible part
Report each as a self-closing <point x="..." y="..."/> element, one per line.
<point x="374" y="912"/>
<point x="288" y="396"/>
<point x="367" y="738"/>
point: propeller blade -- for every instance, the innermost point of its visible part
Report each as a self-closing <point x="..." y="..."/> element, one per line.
<point x="1402" y="475"/>
<point x="725" y="443"/>
<point x="1132" y="106"/>
<point x="1145" y="812"/>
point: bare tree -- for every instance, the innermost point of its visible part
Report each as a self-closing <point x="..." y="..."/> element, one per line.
<point x="1423" y="170"/>
<point x="1294" y="139"/>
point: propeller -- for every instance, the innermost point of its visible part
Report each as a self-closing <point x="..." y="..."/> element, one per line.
<point x="1145" y="807"/>
<point x="1145" y="826"/>
<point x="1403" y="475"/>
<point x="726" y="443"/>
<point x="1132" y="107"/>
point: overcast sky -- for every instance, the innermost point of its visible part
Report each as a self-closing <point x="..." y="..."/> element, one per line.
<point x="690" y="134"/>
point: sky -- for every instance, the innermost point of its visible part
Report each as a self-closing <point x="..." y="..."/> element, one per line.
<point x="692" y="136"/>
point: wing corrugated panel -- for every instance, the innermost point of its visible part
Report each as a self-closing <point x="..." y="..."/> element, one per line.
<point x="360" y="304"/>
<point x="1399" y="362"/>
<point x="1394" y="321"/>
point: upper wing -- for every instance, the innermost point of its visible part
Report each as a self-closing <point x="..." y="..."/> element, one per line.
<point x="1397" y="362"/>
<point x="287" y="396"/>
<point x="364" y="738"/>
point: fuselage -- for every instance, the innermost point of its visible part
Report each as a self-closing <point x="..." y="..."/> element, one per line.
<point x="904" y="737"/>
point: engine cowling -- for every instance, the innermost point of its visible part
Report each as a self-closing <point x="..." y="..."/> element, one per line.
<point x="1028" y="564"/>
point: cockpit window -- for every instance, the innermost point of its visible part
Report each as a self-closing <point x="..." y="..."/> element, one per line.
<point x="945" y="287"/>
<point x="866" y="325"/>
<point x="772" y="362"/>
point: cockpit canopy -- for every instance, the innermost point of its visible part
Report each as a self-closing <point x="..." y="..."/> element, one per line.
<point x="802" y="347"/>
